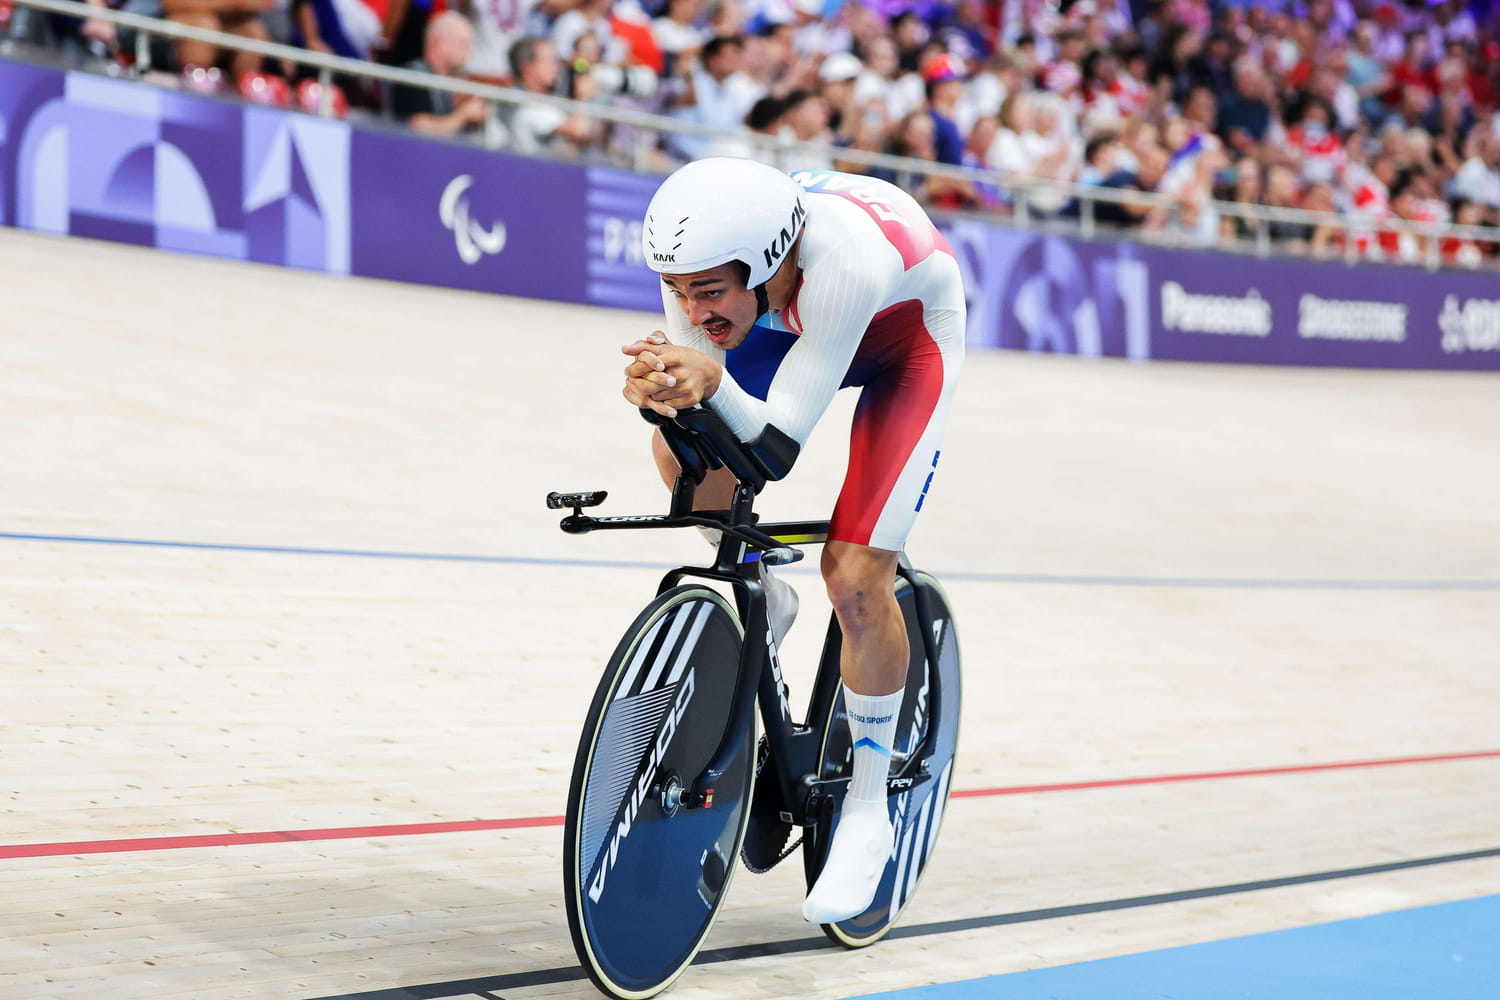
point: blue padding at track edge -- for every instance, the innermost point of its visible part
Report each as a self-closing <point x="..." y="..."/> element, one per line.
<point x="1448" y="950"/>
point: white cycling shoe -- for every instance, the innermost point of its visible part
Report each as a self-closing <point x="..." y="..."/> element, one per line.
<point x="857" y="857"/>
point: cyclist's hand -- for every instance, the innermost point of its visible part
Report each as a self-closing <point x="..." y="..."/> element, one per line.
<point x="695" y="376"/>
<point x="647" y="372"/>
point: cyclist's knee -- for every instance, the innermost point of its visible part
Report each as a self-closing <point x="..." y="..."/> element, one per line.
<point x="859" y="581"/>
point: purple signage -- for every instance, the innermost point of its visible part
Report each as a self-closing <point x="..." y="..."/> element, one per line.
<point x="1221" y="307"/>
<point x="618" y="275"/>
<point x="441" y="213"/>
<point x="1061" y="295"/>
<point x="85" y="155"/>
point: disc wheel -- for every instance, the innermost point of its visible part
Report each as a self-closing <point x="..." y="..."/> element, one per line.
<point x="644" y="875"/>
<point x="920" y="792"/>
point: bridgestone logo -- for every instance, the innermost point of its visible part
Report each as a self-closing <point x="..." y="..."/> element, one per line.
<point x="1474" y="326"/>
<point x="1350" y="319"/>
<point x="1228" y="315"/>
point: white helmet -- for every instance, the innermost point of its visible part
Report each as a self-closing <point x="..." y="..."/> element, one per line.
<point x="713" y="211"/>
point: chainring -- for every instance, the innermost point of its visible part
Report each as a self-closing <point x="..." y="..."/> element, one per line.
<point x="767" y="833"/>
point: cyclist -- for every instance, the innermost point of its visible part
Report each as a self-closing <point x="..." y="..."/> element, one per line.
<point x="779" y="290"/>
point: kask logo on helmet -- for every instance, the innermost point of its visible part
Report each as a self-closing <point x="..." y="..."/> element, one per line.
<point x="789" y="233"/>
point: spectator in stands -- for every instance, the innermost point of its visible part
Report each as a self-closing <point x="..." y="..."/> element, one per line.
<point x="1246" y="192"/>
<point x="542" y="128"/>
<point x="945" y="85"/>
<point x="1245" y="115"/>
<point x="236" y="17"/>
<point x="912" y="137"/>
<point x="677" y="34"/>
<point x="347" y="28"/>
<point x="1478" y="179"/>
<point x="836" y="78"/>
<point x="884" y="81"/>
<point x="1104" y="166"/>
<point x="804" y="118"/>
<point x="498" y="25"/>
<point x="718" y="94"/>
<point x="446" y="47"/>
<point x="1283" y="191"/>
<point x="590" y="18"/>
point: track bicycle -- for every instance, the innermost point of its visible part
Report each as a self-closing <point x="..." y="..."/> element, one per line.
<point x="670" y="784"/>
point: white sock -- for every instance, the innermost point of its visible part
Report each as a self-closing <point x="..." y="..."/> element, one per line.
<point x="872" y="730"/>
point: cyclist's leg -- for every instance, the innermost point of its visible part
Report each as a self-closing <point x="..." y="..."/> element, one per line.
<point x="898" y="427"/>
<point x="716" y="492"/>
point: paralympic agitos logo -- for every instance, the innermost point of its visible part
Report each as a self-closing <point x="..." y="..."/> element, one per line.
<point x="472" y="240"/>
<point x="642" y="786"/>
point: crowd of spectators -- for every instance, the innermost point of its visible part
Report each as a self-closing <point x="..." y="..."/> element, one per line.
<point x="1376" y="110"/>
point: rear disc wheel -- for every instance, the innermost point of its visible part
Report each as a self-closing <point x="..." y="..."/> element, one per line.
<point x="919" y="792"/>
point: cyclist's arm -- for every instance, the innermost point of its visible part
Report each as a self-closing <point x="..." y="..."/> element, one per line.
<point x="838" y="299"/>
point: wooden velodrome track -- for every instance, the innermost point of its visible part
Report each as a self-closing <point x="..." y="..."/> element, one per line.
<point x="1160" y="572"/>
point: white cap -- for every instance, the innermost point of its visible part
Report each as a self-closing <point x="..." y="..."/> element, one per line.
<point x="839" y="67"/>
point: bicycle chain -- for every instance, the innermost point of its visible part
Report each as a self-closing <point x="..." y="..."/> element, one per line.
<point x="786" y="853"/>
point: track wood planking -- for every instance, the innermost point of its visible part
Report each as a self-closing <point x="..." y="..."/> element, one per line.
<point x="187" y="690"/>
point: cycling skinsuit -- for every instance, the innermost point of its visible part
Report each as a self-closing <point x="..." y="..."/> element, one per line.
<point x="880" y="305"/>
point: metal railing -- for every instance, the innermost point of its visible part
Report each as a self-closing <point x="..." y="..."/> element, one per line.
<point x="1025" y="193"/>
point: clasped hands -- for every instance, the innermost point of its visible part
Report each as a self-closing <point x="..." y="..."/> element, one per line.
<point x="665" y="377"/>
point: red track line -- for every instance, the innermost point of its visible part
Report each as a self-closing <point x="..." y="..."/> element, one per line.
<point x="531" y="822"/>
<point x="274" y="837"/>
<point x="1215" y="775"/>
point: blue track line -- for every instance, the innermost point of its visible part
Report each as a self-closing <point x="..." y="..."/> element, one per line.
<point x="1072" y="580"/>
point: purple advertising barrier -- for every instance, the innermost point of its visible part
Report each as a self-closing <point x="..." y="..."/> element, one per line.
<point x="617" y="272"/>
<point x="1054" y="294"/>
<point x="1033" y="292"/>
<point x="1220" y="307"/>
<point x="446" y="214"/>
<point x="86" y="155"/>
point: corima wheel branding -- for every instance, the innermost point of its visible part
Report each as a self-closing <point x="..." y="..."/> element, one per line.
<point x="643" y="783"/>
<point x="658" y="715"/>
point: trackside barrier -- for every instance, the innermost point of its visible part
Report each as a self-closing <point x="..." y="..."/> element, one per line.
<point x="87" y="155"/>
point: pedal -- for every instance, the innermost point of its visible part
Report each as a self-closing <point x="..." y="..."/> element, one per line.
<point x="558" y="501"/>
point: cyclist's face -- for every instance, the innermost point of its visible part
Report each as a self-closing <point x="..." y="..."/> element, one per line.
<point x="717" y="301"/>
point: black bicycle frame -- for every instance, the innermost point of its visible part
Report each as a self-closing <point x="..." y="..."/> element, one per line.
<point x="794" y="746"/>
